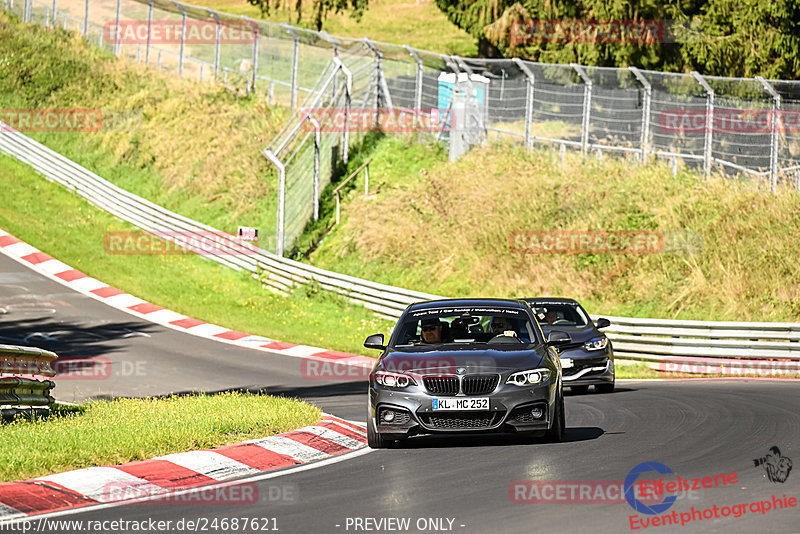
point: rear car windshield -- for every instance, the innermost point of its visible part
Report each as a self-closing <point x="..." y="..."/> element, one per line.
<point x="465" y="325"/>
<point x="560" y="314"/>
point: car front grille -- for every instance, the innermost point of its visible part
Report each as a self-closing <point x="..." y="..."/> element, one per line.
<point x="462" y="420"/>
<point x="479" y="384"/>
<point x="441" y="385"/>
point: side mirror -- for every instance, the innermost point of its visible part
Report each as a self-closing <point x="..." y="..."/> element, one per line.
<point x="375" y="341"/>
<point x="602" y="322"/>
<point x="557" y="338"/>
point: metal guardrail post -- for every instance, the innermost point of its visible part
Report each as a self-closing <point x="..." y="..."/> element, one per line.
<point x="708" y="146"/>
<point x="295" y="60"/>
<point x="648" y="94"/>
<point x="347" y="99"/>
<point x="417" y="84"/>
<point x="217" y="44"/>
<point x="773" y="149"/>
<point x="150" y="9"/>
<point x="528" y="100"/>
<point x="587" y="106"/>
<point x="281" y="199"/>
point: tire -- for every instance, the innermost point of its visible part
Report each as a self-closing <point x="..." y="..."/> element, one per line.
<point x="581" y="390"/>
<point x="604" y="388"/>
<point x="555" y="434"/>
<point x="374" y="439"/>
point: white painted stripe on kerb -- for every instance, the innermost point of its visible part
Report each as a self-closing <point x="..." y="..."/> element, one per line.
<point x="207" y="329"/>
<point x="86" y="284"/>
<point x="124" y="300"/>
<point x="332" y="435"/>
<point x="20" y="249"/>
<point x="53" y="267"/>
<point x="210" y="464"/>
<point x="301" y="350"/>
<point x="289" y="447"/>
<point x="165" y="316"/>
<point x="104" y="484"/>
<point x="6" y="512"/>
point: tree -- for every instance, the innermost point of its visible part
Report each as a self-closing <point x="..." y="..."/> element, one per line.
<point x="320" y="8"/>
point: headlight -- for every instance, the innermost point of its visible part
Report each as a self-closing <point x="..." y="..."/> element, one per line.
<point x="393" y="380"/>
<point x="531" y="376"/>
<point x="598" y="343"/>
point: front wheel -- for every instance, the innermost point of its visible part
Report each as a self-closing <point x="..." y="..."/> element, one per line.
<point x="556" y="432"/>
<point x="374" y="439"/>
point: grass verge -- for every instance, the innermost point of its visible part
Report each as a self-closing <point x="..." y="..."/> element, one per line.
<point x="126" y="430"/>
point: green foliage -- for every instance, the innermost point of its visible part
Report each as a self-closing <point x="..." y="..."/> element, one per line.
<point x="716" y="37"/>
<point x="320" y="8"/>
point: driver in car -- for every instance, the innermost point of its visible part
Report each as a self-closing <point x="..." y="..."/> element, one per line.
<point x="551" y="316"/>
<point x="432" y="331"/>
<point x="502" y="326"/>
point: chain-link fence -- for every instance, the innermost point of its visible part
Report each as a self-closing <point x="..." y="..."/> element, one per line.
<point x="746" y="127"/>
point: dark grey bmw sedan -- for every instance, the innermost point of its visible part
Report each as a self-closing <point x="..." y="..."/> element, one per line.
<point x="465" y="365"/>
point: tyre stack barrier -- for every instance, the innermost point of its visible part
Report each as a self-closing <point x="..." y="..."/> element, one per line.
<point x="23" y="378"/>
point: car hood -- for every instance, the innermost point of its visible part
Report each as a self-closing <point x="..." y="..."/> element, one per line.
<point x="578" y="334"/>
<point x="451" y="361"/>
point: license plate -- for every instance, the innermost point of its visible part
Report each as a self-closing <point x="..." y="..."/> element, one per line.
<point x="481" y="403"/>
<point x="566" y="363"/>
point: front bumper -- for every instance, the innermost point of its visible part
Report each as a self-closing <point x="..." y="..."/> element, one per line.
<point x="588" y="367"/>
<point x="511" y="409"/>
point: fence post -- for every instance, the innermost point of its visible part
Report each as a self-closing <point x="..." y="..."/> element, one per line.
<point x="335" y="45"/>
<point x="182" y="53"/>
<point x="281" y="199"/>
<point x="528" y="100"/>
<point x="366" y="179"/>
<point x="707" y="148"/>
<point x="217" y="44"/>
<point x="773" y="149"/>
<point x="118" y="34"/>
<point x="378" y="78"/>
<point x="587" y="106"/>
<point x="256" y="38"/>
<point x="85" y="18"/>
<point x="417" y="84"/>
<point x="295" y="60"/>
<point x="648" y="94"/>
<point x="149" y="31"/>
<point x="317" y="143"/>
<point x="54" y="13"/>
<point x="348" y="88"/>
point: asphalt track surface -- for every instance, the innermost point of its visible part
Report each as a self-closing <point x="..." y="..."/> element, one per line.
<point x="455" y="484"/>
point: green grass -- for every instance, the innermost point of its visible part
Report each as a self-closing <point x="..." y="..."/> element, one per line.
<point x="126" y="430"/>
<point x="445" y="228"/>
<point x="65" y="226"/>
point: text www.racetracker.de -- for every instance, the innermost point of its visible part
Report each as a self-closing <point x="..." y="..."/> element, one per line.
<point x="200" y="524"/>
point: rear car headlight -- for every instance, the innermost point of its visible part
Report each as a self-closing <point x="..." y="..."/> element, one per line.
<point x="531" y="376"/>
<point x="598" y="343"/>
<point x="393" y="380"/>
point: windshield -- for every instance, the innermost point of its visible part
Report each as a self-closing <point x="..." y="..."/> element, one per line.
<point x="490" y="325"/>
<point x="560" y="314"/>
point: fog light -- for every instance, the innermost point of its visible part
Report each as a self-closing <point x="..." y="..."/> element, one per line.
<point x="536" y="413"/>
<point x="388" y="416"/>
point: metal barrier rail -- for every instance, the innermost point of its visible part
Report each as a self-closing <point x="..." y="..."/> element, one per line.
<point x="649" y="340"/>
<point x="22" y="388"/>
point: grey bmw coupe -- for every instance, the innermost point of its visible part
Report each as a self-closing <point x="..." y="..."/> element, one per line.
<point x="465" y="365"/>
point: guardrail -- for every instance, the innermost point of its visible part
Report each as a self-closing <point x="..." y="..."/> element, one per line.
<point x="19" y="385"/>
<point x="655" y="341"/>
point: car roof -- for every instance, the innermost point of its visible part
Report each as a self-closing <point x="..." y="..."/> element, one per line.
<point x="466" y="302"/>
